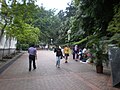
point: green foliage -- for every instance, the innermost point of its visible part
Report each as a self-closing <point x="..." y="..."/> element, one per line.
<point x="90" y="24"/>
<point x="18" y="19"/>
<point x="24" y="46"/>
<point x="48" y="23"/>
<point x="6" y="17"/>
<point x="114" y="26"/>
<point x="66" y="22"/>
<point x="28" y="34"/>
<point x="93" y="16"/>
<point x="99" y="49"/>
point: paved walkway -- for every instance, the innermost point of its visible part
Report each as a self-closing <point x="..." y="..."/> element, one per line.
<point x="71" y="76"/>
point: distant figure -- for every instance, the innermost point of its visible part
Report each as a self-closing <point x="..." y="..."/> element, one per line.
<point x="66" y="53"/>
<point x="46" y="47"/>
<point x="75" y="52"/>
<point x="32" y="56"/>
<point x="84" y="59"/>
<point x="80" y="54"/>
<point x="59" y="56"/>
<point x="84" y="50"/>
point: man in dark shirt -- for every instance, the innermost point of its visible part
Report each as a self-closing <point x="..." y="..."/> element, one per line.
<point x="32" y="54"/>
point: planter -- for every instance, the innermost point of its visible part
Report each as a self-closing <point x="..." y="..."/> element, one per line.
<point x="99" y="69"/>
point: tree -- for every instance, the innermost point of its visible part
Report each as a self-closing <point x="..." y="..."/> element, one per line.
<point x="18" y="17"/>
<point x="48" y="23"/>
<point x="66" y="18"/>
<point x="6" y="17"/>
<point x="114" y="26"/>
<point x="93" y="19"/>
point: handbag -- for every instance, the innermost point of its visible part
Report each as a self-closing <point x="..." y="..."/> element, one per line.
<point x="61" y="57"/>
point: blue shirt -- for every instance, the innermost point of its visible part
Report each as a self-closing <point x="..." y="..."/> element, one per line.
<point x="32" y="51"/>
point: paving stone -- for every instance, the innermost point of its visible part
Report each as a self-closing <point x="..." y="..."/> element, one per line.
<point x="70" y="76"/>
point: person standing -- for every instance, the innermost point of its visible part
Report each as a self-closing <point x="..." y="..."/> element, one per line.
<point x="32" y="56"/>
<point x="66" y="53"/>
<point x="80" y="54"/>
<point x="75" y="52"/>
<point x="84" y="50"/>
<point x="59" y="56"/>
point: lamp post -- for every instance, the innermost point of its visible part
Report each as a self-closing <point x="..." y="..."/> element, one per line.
<point x="0" y="10"/>
<point x="0" y="6"/>
<point x="69" y="32"/>
<point x="51" y="41"/>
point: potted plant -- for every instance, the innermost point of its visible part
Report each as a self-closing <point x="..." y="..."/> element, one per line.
<point x="98" y="48"/>
<point x="99" y="59"/>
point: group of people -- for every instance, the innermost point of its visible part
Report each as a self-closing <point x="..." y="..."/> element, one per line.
<point x="78" y="54"/>
<point x="82" y="55"/>
<point x="61" y="53"/>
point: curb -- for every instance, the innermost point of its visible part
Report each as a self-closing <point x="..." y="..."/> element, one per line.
<point x="9" y="62"/>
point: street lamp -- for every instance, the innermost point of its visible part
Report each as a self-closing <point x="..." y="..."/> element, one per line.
<point x="69" y="32"/>
<point x="0" y="10"/>
<point x="0" y="5"/>
<point x="51" y="41"/>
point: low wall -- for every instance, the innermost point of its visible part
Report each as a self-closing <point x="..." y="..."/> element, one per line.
<point x="4" y="52"/>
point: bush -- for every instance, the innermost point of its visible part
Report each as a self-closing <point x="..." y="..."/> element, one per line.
<point x="25" y="46"/>
<point x="22" y="46"/>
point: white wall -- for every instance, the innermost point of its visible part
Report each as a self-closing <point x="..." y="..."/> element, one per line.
<point x="5" y="46"/>
<point x="5" y="43"/>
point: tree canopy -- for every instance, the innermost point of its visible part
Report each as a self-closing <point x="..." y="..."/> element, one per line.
<point x="17" y="18"/>
<point x="88" y="20"/>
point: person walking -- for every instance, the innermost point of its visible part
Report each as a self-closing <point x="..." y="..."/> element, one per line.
<point x="66" y="53"/>
<point x="32" y="56"/>
<point x="59" y="56"/>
